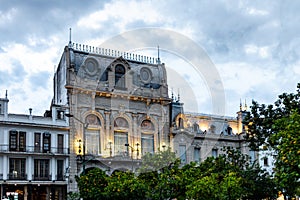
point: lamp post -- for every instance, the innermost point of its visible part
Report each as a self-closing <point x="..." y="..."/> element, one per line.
<point x="85" y="125"/>
<point x="132" y="150"/>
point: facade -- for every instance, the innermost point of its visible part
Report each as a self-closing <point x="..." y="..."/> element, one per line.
<point x="33" y="155"/>
<point x="195" y="136"/>
<point x="118" y="107"/>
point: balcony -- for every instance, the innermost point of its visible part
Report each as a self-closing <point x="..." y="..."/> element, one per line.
<point x="38" y="177"/>
<point x="17" y="176"/>
<point x="35" y="150"/>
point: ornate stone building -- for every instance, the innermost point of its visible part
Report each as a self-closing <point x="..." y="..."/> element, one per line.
<point x="196" y="136"/>
<point x="118" y="107"/>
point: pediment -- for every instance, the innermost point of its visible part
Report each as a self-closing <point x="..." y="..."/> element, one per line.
<point x="119" y="60"/>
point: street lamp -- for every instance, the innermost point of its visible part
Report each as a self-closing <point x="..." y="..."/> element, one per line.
<point x="132" y="150"/>
<point x="85" y="125"/>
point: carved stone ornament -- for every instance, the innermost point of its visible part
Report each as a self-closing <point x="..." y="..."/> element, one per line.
<point x="145" y="74"/>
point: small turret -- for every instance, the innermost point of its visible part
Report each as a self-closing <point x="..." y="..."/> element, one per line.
<point x="4" y="106"/>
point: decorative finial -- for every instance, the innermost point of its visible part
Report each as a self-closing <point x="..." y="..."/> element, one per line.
<point x="70" y="38"/>
<point x="158" y="59"/>
<point x="241" y="106"/>
<point x="178" y="96"/>
<point x="6" y="94"/>
<point x="172" y="95"/>
<point x="245" y="105"/>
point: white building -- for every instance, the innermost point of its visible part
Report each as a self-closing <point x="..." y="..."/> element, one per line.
<point x="33" y="154"/>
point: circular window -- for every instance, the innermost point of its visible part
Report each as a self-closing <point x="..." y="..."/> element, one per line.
<point x="145" y="74"/>
<point x="91" y="67"/>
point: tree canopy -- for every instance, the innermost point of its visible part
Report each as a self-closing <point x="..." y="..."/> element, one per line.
<point x="277" y="126"/>
<point x="229" y="176"/>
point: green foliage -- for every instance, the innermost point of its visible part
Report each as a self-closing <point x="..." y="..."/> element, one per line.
<point x="288" y="152"/>
<point x="73" y="196"/>
<point x="158" y="161"/>
<point x="92" y="184"/>
<point x="230" y="176"/>
<point x="277" y="127"/>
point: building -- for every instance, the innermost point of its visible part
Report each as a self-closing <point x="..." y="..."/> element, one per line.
<point x="196" y="136"/>
<point x="33" y="155"/>
<point x="118" y="107"/>
<point x="109" y="108"/>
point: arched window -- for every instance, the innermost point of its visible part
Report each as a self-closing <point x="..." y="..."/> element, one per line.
<point x="120" y="76"/>
<point x="92" y="135"/>
<point x="196" y="127"/>
<point x="120" y="136"/>
<point x="180" y="123"/>
<point x="147" y="139"/>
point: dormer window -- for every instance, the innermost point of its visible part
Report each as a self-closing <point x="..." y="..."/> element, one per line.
<point x="120" y="76"/>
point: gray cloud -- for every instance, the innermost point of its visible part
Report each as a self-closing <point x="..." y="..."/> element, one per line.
<point x="41" y="18"/>
<point x="40" y="79"/>
<point x="225" y="29"/>
<point x="16" y="74"/>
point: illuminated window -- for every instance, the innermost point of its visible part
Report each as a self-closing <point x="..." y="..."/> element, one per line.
<point x="92" y="135"/>
<point x="17" y="141"/>
<point x="120" y="139"/>
<point x="46" y="142"/>
<point x="17" y="168"/>
<point x="147" y="143"/>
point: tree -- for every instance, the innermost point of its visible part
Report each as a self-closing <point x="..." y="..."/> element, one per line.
<point x="275" y="126"/>
<point x="287" y="141"/>
<point x="92" y="184"/>
<point x="125" y="185"/>
<point x="229" y="176"/>
<point x="160" y="174"/>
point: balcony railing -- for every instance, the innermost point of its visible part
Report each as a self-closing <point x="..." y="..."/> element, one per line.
<point x="35" y="149"/>
<point x="17" y="176"/>
<point x="41" y="178"/>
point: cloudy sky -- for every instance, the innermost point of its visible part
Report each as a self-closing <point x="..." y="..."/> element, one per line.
<point x="252" y="47"/>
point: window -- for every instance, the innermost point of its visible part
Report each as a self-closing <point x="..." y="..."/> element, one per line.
<point x="41" y="169"/>
<point x="17" y="168"/>
<point x="17" y="141"/>
<point x="121" y="138"/>
<point x="182" y="153"/>
<point x="92" y="141"/>
<point x="196" y="127"/>
<point x="252" y="156"/>
<point x="60" y="143"/>
<point x="214" y="153"/>
<point x="37" y="142"/>
<point x="60" y="170"/>
<point x="60" y="114"/>
<point x="266" y="163"/>
<point x="197" y="155"/>
<point x="46" y="142"/>
<point x="180" y="123"/>
<point x="120" y="76"/>
<point x="147" y="143"/>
